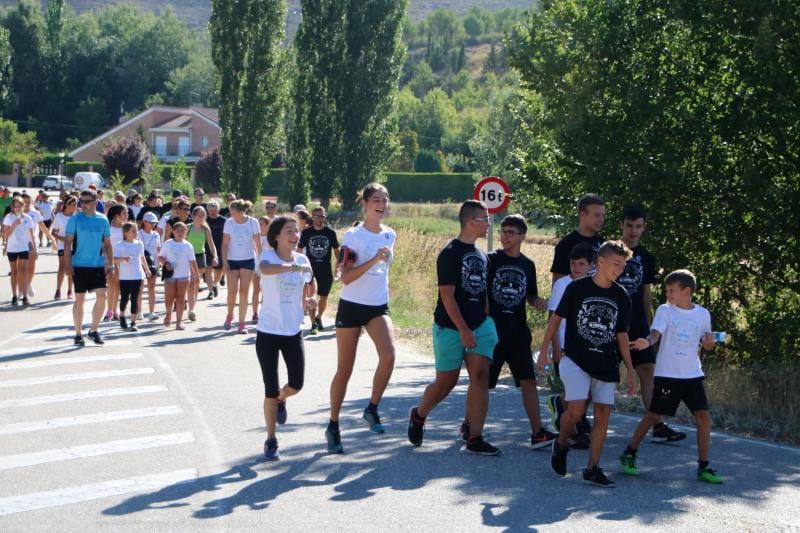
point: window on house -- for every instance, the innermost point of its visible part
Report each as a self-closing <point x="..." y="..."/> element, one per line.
<point x="184" y="146"/>
<point x="161" y="145"/>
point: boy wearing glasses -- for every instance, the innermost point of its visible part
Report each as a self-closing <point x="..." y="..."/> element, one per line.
<point x="318" y="241"/>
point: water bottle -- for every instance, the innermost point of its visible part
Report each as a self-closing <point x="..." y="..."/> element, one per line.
<point x="720" y="337"/>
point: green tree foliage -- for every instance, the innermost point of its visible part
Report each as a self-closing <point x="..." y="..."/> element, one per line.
<point x="16" y="146"/>
<point x="5" y="70"/>
<point x="428" y="160"/>
<point x="128" y="157"/>
<point x="25" y="26"/>
<point x="691" y="109"/>
<point x="246" y="38"/>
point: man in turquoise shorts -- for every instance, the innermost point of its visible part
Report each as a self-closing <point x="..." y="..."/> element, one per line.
<point x="463" y="332"/>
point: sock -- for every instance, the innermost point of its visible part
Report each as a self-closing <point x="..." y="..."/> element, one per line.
<point x="372" y="407"/>
<point x="333" y="426"/>
<point x="629" y="451"/>
<point x="702" y="464"/>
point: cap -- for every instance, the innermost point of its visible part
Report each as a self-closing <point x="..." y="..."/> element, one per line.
<point x="150" y="217"/>
<point x="299" y="207"/>
<point x="131" y="192"/>
<point x="177" y="193"/>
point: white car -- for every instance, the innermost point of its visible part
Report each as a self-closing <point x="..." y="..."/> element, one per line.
<point x="56" y="183"/>
<point x="82" y="180"/>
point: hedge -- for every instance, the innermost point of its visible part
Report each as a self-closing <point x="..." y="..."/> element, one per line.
<point x="429" y="187"/>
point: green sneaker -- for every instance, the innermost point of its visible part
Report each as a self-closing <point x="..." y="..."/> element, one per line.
<point x="628" y="463"/>
<point x="708" y="475"/>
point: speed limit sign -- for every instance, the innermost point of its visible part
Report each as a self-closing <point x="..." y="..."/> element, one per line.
<point x="494" y="192"/>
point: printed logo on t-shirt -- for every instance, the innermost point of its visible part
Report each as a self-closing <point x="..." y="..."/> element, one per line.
<point x="631" y="278"/>
<point x="682" y="334"/>
<point x="509" y="286"/>
<point x="473" y="273"/>
<point x="597" y="321"/>
<point x="318" y="246"/>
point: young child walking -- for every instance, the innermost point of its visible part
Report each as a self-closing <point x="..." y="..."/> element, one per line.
<point x="133" y="269"/>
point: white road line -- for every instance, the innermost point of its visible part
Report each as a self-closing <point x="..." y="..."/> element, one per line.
<point x="22" y="460"/>
<point x="75" y="377"/>
<point x="93" y="491"/>
<point x="101" y="393"/>
<point x="55" y="348"/>
<point x="94" y="418"/>
<point x="68" y="361"/>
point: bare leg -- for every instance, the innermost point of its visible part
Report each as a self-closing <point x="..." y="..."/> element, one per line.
<point x="256" y="293"/>
<point x="530" y="399"/>
<point x="271" y="408"/>
<point x="77" y="311"/>
<point x="169" y="301"/>
<point x="644" y="425"/>
<point x="346" y="343"/>
<point x="245" y="277"/>
<point x="14" y="278"/>
<point x="233" y="289"/>
<point x="380" y="331"/>
<point x="194" y="286"/>
<point x="180" y="299"/>
<point x="703" y="421"/>
<point x="23" y="281"/>
<point x="321" y="306"/>
<point x="645" y="373"/>
<point x="602" y="412"/>
<point x="97" y="310"/>
<point x="574" y="411"/>
<point x="477" y="391"/>
<point x="437" y="391"/>
<point x="61" y="272"/>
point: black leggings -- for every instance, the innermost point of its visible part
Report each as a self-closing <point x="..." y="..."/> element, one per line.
<point x="267" y="348"/>
<point x="129" y="289"/>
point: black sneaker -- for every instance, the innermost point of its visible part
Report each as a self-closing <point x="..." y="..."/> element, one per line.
<point x="318" y="322"/>
<point x="542" y="438"/>
<point x="334" y="439"/>
<point x="283" y="415"/>
<point x="222" y="280"/>
<point x="416" y="429"/>
<point x="25" y="302"/>
<point x="558" y="460"/>
<point x="14" y="301"/>
<point x="123" y="322"/>
<point x="95" y="336"/>
<point x="210" y="295"/>
<point x="271" y="450"/>
<point x="595" y="476"/>
<point x="664" y="433"/>
<point x="580" y="441"/>
<point x="476" y="445"/>
<point x="79" y="340"/>
<point x="216" y="292"/>
<point x="463" y="431"/>
<point x="583" y="426"/>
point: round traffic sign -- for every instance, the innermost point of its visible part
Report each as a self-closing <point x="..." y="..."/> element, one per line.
<point x="78" y="181"/>
<point x="494" y="192"/>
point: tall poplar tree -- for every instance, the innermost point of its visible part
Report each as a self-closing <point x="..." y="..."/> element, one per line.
<point x="245" y="42"/>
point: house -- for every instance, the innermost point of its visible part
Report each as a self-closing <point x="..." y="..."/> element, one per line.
<point x="171" y="132"/>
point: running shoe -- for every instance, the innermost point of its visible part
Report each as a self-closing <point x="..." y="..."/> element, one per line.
<point x="283" y="415"/>
<point x="57" y="295"/>
<point x="334" y="439"/>
<point x="318" y="323"/>
<point x="107" y="316"/>
<point x="373" y="420"/>
<point x="179" y="326"/>
<point x="664" y="433"/>
<point x="216" y="292"/>
<point x="477" y="446"/>
<point x="542" y="438"/>
<point x="95" y="336"/>
<point x="78" y="341"/>
<point x="123" y="323"/>
<point x="133" y="327"/>
<point x="313" y="330"/>
<point x="463" y="431"/>
<point x="210" y="295"/>
<point x="30" y="291"/>
<point x="242" y="328"/>
<point x="580" y="441"/>
<point x="271" y="449"/>
<point x="628" y="463"/>
<point x="25" y="302"/>
<point x="222" y="281"/>
<point x="228" y="322"/>
<point x="709" y="476"/>
<point x="558" y="460"/>
<point x="192" y="316"/>
<point x="595" y="476"/>
<point x="14" y="301"/>
<point x="416" y="428"/>
<point x="152" y="317"/>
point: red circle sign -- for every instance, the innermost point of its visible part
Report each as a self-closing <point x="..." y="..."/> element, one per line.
<point x="494" y="192"/>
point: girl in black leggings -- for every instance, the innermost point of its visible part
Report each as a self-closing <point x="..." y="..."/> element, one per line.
<point x="133" y="269"/>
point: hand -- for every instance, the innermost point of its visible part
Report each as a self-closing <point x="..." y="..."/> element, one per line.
<point x="542" y="359"/>
<point x="639" y="344"/>
<point x="467" y="339"/>
<point x="708" y="341"/>
<point x="631" y="384"/>
<point x="540" y="304"/>
<point x="214" y="261"/>
<point x="384" y="254"/>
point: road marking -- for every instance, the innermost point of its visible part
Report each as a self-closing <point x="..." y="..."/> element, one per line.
<point x="75" y="377"/>
<point x="69" y="361"/>
<point x="94" y="418"/>
<point x="10" y="462"/>
<point x="101" y="393"/>
<point x="25" y="350"/>
<point x="93" y="491"/>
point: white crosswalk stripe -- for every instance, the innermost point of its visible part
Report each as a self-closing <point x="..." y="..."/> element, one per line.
<point x="69" y="361"/>
<point x="85" y="395"/>
<point x="95" y="418"/>
<point x="55" y="349"/>
<point x="75" y="377"/>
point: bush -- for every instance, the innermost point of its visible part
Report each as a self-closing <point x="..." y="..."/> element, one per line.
<point x="429" y="187"/>
<point x="207" y="171"/>
<point x="428" y="160"/>
<point x="127" y="155"/>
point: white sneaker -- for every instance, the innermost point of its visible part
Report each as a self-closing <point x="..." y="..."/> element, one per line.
<point x="152" y="317"/>
<point x="140" y="316"/>
<point x="192" y="316"/>
<point x="30" y="292"/>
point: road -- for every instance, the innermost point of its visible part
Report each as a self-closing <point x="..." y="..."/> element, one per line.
<point x="163" y="430"/>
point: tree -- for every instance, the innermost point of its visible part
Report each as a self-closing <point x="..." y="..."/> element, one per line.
<point x="246" y="38"/>
<point x="207" y="170"/>
<point x="428" y="160"/>
<point x="5" y="70"/>
<point x="25" y="27"/>
<point x="193" y="83"/>
<point x="16" y="146"/>
<point x="127" y="156"/>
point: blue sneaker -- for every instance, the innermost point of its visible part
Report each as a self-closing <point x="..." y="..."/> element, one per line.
<point x="282" y="414"/>
<point x="373" y="420"/>
<point x="271" y="450"/>
<point x="334" y="439"/>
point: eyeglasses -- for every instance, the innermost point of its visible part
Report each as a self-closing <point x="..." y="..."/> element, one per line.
<point x="87" y="200"/>
<point x="509" y="232"/>
<point x="183" y="209"/>
<point x="272" y="206"/>
<point x="481" y="219"/>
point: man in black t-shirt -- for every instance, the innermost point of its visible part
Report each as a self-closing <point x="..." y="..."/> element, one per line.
<point x="151" y="205"/>
<point x="317" y="242"/>
<point x="597" y="313"/>
<point x="462" y="332"/>
<point x="591" y="217"/>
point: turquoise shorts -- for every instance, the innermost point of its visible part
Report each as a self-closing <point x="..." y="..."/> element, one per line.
<point x="449" y="352"/>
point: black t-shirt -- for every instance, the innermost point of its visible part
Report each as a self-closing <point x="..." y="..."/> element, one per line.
<point x="148" y="209"/>
<point x="511" y="281"/>
<point x="319" y="245"/>
<point x="565" y="246"/>
<point x="640" y="270"/>
<point x="463" y="266"/>
<point x="225" y="212"/>
<point x="174" y="220"/>
<point x="217" y="225"/>
<point x="594" y="316"/>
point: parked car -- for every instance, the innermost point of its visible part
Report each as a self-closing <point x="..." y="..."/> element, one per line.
<point x="83" y="179"/>
<point x="56" y="183"/>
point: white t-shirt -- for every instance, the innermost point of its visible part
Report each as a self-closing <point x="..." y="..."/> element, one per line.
<point x="282" y="308"/>
<point x="60" y="224"/>
<point x="371" y="288"/>
<point x="179" y="254"/>
<point x="131" y="269"/>
<point x="681" y="332"/>
<point x="552" y="304"/>
<point x="19" y="238"/>
<point x="162" y="224"/>
<point x="240" y="244"/>
<point x="116" y="237"/>
<point x="45" y="208"/>
<point x="135" y="209"/>
<point x="36" y="216"/>
<point x="151" y="242"/>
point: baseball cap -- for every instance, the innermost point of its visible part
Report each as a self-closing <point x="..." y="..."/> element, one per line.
<point x="131" y="192"/>
<point x="150" y="217"/>
<point x="177" y="193"/>
<point x="299" y="207"/>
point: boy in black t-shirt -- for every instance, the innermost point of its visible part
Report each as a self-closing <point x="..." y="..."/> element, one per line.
<point x="462" y="331"/>
<point x="317" y="242"/>
<point x="591" y="217"/>
<point x="597" y="313"/>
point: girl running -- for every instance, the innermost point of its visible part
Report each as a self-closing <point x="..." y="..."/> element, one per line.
<point x="38" y="222"/>
<point x="364" y="302"/>
<point x="117" y="215"/>
<point x="20" y="240"/>
<point x="129" y="255"/>
<point x="241" y="244"/>
<point x="177" y="258"/>
<point x="69" y="204"/>
<point x="152" y="246"/>
<point x="263" y="225"/>
<point x="288" y="285"/>
<point x="199" y="236"/>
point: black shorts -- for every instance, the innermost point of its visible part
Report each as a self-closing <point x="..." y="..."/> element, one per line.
<point x="88" y="279"/>
<point x="245" y="264"/>
<point x="48" y="223"/>
<point x="324" y="281"/>
<point x="641" y="357"/>
<point x="200" y="259"/>
<point x="669" y="392"/>
<point x="516" y="351"/>
<point x="353" y="315"/>
<point x="209" y="261"/>
<point x="13" y="256"/>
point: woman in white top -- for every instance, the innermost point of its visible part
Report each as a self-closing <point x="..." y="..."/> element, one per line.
<point x="288" y="285"/>
<point x="364" y="302"/>
<point x="241" y="244"/>
<point x="152" y="246"/>
<point x="44" y="206"/>
<point x="117" y="216"/>
<point x="263" y="226"/>
<point x="18" y="234"/>
<point x="58" y="230"/>
<point x="177" y="259"/>
<point x="129" y="256"/>
<point x="38" y="222"/>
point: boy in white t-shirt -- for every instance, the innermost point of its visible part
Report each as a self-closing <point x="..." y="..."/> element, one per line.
<point x="681" y="326"/>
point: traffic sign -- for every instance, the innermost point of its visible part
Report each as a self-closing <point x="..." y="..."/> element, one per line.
<point x="494" y="192"/>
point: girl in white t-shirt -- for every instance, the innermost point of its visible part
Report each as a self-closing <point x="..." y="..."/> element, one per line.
<point x="132" y="267"/>
<point x="58" y="230"/>
<point x="288" y="286"/>
<point x="364" y="302"/>
<point x="177" y="259"/>
<point x="241" y="244"/>
<point x="263" y="226"/>
<point x="38" y="222"/>
<point x="18" y="234"/>
<point x="152" y="246"/>
<point x="117" y="216"/>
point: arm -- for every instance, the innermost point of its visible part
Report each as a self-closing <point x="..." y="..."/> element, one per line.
<point x="647" y="300"/>
<point x="195" y="273"/>
<point x="145" y="266"/>
<point x="226" y="241"/>
<point x="540" y="304"/>
<point x="46" y="231"/>
<point x="210" y="243"/>
<point x="642" y="344"/>
<point x="622" y="344"/>
<point x="167" y="231"/>
<point x="273" y="269"/>
<point x="257" y="243"/>
<point x="108" y="253"/>
<point x="68" y="256"/>
<point x="549" y="336"/>
<point x="447" y="293"/>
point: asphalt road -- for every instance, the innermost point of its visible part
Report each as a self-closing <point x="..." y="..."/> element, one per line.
<point x="163" y="430"/>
